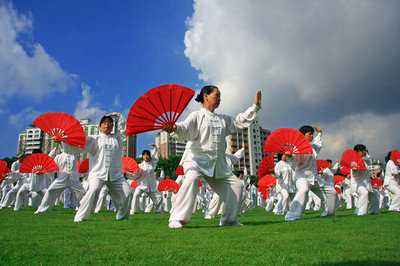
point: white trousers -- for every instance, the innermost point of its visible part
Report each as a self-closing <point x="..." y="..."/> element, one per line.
<point x="136" y="195"/>
<point x="228" y="189"/>
<point x="120" y="194"/>
<point x="56" y="188"/>
<point x="23" y="194"/>
<point x="394" y="189"/>
<point x="283" y="202"/>
<point x="214" y="206"/>
<point x="366" y="199"/>
<point x="10" y="196"/>
<point x="296" y="207"/>
<point x="102" y="199"/>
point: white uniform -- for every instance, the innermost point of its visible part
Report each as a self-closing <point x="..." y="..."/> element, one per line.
<point x="391" y="183"/>
<point x="13" y="177"/>
<point x="67" y="177"/>
<point x="204" y="156"/>
<point x="147" y="182"/>
<point x="361" y="187"/>
<point x="105" y="168"/>
<point x="285" y="186"/>
<point x="305" y="167"/>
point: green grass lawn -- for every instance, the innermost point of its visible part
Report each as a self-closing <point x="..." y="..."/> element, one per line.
<point x="145" y="239"/>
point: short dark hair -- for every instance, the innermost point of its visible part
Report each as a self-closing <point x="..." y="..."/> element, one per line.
<point x="329" y="160"/>
<point x="146" y="152"/>
<point x="37" y="151"/>
<point x="205" y="90"/>
<point x="106" y="117"/>
<point x="306" y="129"/>
<point x="387" y="157"/>
<point x="360" y="147"/>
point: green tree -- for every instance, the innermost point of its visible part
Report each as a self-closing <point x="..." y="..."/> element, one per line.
<point x="169" y="165"/>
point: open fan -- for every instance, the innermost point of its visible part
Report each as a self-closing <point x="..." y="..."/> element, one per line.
<point x="129" y="165"/>
<point x="338" y="179"/>
<point x="376" y="182"/>
<point x="168" y="184"/>
<point x="4" y="170"/>
<point x="266" y="182"/>
<point x="338" y="190"/>
<point x="134" y="184"/>
<point x="352" y="160"/>
<point x="322" y="165"/>
<point x="38" y="163"/>
<point x="179" y="170"/>
<point x="395" y="156"/>
<point x="158" y="108"/>
<point x="266" y="166"/>
<point x="287" y="141"/>
<point x="62" y="127"/>
<point x="82" y="166"/>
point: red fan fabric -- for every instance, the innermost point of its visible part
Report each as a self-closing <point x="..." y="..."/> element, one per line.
<point x="62" y="127"/>
<point x="344" y="170"/>
<point x="352" y="160"/>
<point x="129" y="165"/>
<point x="287" y="141"/>
<point x="158" y="108"/>
<point x="338" y="190"/>
<point x="338" y="179"/>
<point x="322" y="165"/>
<point x="179" y="170"/>
<point x="395" y="156"/>
<point x="82" y="166"/>
<point x="199" y="183"/>
<point x="4" y="170"/>
<point x="376" y="182"/>
<point x="266" y="182"/>
<point x="168" y="184"/>
<point x="134" y="184"/>
<point x="38" y="163"/>
<point x="266" y="166"/>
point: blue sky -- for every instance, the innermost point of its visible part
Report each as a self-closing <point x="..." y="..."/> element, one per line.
<point x="120" y="51"/>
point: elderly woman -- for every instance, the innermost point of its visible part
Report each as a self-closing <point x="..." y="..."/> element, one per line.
<point x="204" y="156"/>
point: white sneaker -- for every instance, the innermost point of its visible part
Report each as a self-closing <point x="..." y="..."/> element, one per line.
<point x="237" y="223"/>
<point x="207" y="217"/>
<point x="175" y="225"/>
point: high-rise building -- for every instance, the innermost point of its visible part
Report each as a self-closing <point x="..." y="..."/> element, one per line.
<point x="252" y="139"/>
<point x="168" y="145"/>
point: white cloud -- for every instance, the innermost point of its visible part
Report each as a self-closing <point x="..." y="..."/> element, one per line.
<point x="24" y="118"/>
<point x="317" y="61"/>
<point x="85" y="109"/>
<point x="26" y="68"/>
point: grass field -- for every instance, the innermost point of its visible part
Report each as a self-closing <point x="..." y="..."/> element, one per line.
<point x="265" y="239"/>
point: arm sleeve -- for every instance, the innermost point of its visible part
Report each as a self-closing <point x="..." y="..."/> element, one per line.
<point x="317" y="142"/>
<point x="187" y="129"/>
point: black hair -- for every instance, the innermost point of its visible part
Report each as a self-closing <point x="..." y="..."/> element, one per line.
<point x="279" y="156"/>
<point x="205" y="90"/>
<point x="146" y="152"/>
<point x="306" y="129"/>
<point x="106" y="117"/>
<point x="360" y="147"/>
<point x="329" y="160"/>
<point x="387" y="157"/>
<point x="37" y="151"/>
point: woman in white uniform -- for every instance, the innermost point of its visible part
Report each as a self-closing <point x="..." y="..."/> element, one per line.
<point x="67" y="177"/>
<point x="392" y="180"/>
<point x="204" y="156"/>
<point x="105" y="168"/>
<point x="285" y="183"/>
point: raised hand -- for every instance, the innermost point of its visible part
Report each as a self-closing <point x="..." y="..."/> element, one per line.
<point x="257" y="98"/>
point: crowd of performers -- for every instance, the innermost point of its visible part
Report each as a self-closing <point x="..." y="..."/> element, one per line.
<point x="206" y="179"/>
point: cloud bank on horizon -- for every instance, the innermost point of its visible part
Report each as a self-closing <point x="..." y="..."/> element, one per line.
<point x="332" y="64"/>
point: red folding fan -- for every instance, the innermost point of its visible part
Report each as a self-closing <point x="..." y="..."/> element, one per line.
<point x="287" y="141"/>
<point x="352" y="160"/>
<point x="158" y="108"/>
<point x="179" y="170"/>
<point x="266" y="167"/>
<point x="129" y="165"/>
<point x="266" y="182"/>
<point x="322" y="165"/>
<point x="4" y="170"/>
<point x="338" y="190"/>
<point x="338" y="179"/>
<point x="134" y="184"/>
<point x="38" y="163"/>
<point x="82" y="166"/>
<point x="395" y="156"/>
<point x="62" y="127"/>
<point x="264" y="194"/>
<point x="168" y="184"/>
<point x="376" y="182"/>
